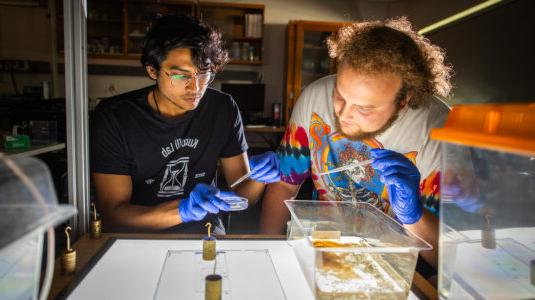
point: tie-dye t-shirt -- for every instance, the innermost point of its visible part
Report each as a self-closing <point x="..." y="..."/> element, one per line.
<point x="312" y="145"/>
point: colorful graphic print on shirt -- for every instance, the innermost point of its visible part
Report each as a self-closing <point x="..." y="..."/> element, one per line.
<point x="323" y="149"/>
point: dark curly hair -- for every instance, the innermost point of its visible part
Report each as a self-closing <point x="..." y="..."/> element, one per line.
<point x="392" y="46"/>
<point x="168" y="32"/>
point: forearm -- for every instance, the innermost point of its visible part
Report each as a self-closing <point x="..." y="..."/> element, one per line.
<point x="142" y="218"/>
<point x="250" y="189"/>
<point x="274" y="213"/>
<point x="427" y="229"/>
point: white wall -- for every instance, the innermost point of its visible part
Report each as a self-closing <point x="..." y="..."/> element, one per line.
<point x="24" y="35"/>
<point x="106" y="85"/>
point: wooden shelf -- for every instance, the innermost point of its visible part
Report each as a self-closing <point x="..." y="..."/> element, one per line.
<point x="245" y="62"/>
<point x="248" y="6"/>
<point x="105" y="21"/>
<point x="264" y="129"/>
<point x="246" y="39"/>
<point x="232" y="19"/>
<point x="314" y="47"/>
<point x="133" y="15"/>
<point x="104" y="55"/>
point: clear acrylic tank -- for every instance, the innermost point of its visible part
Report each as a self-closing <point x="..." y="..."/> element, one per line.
<point x="358" y="251"/>
<point x="487" y="211"/>
<point x="28" y="207"/>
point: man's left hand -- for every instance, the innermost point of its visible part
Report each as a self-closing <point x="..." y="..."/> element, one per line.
<point x="402" y="179"/>
<point x="265" y="167"/>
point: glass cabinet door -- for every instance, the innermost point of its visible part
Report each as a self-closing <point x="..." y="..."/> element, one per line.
<point x="105" y="28"/>
<point x="316" y="62"/>
<point x="307" y="57"/>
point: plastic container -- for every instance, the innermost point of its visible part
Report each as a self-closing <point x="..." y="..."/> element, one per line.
<point x="359" y="252"/>
<point x="487" y="210"/>
<point x="28" y="207"/>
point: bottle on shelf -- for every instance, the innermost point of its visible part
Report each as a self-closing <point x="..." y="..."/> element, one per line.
<point x="245" y="51"/>
<point x="235" y="52"/>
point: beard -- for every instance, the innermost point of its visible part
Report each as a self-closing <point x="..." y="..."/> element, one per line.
<point x="362" y="135"/>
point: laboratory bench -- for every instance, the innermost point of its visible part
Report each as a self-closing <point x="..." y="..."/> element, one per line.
<point x="89" y="251"/>
<point x="259" y="136"/>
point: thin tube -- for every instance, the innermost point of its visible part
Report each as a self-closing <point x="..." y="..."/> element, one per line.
<point x="348" y="167"/>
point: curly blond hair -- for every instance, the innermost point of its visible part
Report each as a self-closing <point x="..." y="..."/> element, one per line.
<point x="392" y="46"/>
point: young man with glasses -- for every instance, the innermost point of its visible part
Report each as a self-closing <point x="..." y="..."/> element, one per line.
<point x="155" y="151"/>
<point x="380" y="105"/>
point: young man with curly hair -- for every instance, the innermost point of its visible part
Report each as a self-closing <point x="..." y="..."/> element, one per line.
<point x="380" y="105"/>
<point x="155" y="151"/>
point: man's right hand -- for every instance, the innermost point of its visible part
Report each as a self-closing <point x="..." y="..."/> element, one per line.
<point x="203" y="199"/>
<point x="402" y="179"/>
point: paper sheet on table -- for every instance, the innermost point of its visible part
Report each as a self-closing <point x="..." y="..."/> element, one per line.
<point x="493" y="273"/>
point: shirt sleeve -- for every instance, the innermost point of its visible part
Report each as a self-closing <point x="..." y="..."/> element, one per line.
<point x="430" y="172"/>
<point x="429" y="161"/>
<point x="294" y="151"/>
<point x="108" y="149"/>
<point x="236" y="143"/>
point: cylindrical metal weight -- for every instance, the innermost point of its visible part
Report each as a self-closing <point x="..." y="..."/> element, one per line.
<point x="96" y="228"/>
<point x="208" y="248"/>
<point x="213" y="286"/>
<point x="68" y="262"/>
<point x="488" y="238"/>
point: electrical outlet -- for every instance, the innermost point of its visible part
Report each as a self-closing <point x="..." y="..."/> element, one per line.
<point x="111" y="89"/>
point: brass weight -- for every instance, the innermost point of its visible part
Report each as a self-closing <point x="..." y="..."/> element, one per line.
<point x="96" y="224"/>
<point x="68" y="256"/>
<point x="208" y="245"/>
<point x="213" y="286"/>
<point x="488" y="236"/>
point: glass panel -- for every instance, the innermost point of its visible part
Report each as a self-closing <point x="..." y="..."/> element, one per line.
<point x="140" y="13"/>
<point x="105" y="28"/>
<point x="316" y="61"/>
<point x="25" y="213"/>
<point x="183" y="275"/>
<point x="487" y="239"/>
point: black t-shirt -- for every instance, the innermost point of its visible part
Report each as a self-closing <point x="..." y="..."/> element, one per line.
<point x="164" y="157"/>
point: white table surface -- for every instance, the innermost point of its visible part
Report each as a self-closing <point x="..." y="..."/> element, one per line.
<point x="130" y="269"/>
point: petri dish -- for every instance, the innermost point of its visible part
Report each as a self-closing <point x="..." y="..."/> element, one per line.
<point x="237" y="203"/>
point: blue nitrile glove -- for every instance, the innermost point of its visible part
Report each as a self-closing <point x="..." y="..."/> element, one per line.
<point x="203" y="199"/>
<point x="469" y="204"/>
<point x="462" y="191"/>
<point x="265" y="167"/>
<point x="402" y="179"/>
